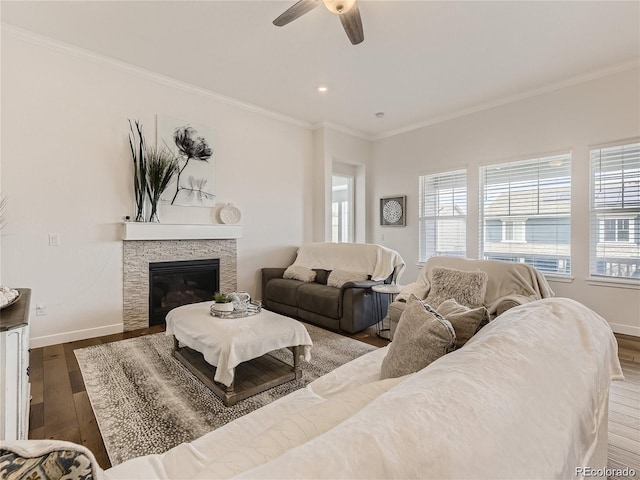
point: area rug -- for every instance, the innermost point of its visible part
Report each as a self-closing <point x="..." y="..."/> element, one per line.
<point x="145" y="401"/>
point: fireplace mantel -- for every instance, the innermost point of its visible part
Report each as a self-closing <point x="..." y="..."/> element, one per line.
<point x="164" y="231"/>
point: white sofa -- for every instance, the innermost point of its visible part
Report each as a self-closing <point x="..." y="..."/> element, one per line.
<point x="526" y="397"/>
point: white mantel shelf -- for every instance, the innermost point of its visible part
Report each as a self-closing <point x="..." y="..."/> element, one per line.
<point x="164" y="231"/>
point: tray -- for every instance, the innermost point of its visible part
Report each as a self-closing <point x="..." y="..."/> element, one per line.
<point x="12" y="301"/>
<point x="253" y="308"/>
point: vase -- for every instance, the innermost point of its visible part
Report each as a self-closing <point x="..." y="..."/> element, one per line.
<point x="222" y="307"/>
<point x="153" y="215"/>
<point x="140" y="213"/>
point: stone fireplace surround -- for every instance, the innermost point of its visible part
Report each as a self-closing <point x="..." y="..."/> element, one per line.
<point x="138" y="253"/>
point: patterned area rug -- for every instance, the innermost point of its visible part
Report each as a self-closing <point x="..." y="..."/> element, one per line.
<point x="145" y="401"/>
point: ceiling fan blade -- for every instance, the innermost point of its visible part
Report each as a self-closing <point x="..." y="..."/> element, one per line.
<point x="352" y="24"/>
<point x="296" y="11"/>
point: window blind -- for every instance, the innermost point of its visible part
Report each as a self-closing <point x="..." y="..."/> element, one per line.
<point x="525" y="212"/>
<point x="442" y="217"/>
<point x="615" y="211"/>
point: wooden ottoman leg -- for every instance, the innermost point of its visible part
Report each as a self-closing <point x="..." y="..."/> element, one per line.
<point x="230" y="397"/>
<point x="297" y="368"/>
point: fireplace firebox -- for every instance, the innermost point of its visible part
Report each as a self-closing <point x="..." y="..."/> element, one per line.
<point x="172" y="284"/>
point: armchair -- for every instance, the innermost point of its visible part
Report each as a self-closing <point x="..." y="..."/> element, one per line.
<point x="509" y="284"/>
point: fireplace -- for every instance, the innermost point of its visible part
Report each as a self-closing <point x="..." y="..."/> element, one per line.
<point x="139" y="253"/>
<point x="176" y="283"/>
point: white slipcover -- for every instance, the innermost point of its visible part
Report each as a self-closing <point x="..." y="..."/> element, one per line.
<point x="227" y="342"/>
<point x="526" y="397"/>
<point x="372" y="259"/>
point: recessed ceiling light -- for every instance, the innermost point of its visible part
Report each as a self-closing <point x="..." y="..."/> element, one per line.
<point x="380" y="114"/>
<point x="323" y="89"/>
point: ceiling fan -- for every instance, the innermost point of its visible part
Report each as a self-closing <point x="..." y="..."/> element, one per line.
<point x="347" y="10"/>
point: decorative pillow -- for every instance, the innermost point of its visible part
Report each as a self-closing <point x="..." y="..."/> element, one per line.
<point x="321" y="275"/>
<point x="466" y="288"/>
<point x="303" y="274"/>
<point x="337" y="278"/>
<point x="466" y="321"/>
<point x="20" y="461"/>
<point x="422" y="336"/>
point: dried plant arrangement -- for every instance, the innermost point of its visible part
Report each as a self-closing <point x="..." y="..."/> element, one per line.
<point x="161" y="166"/>
<point x="138" y="153"/>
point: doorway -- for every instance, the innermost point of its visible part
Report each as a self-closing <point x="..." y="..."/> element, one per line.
<point x="342" y="209"/>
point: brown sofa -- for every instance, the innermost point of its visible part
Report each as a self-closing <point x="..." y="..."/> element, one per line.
<point x="350" y="308"/>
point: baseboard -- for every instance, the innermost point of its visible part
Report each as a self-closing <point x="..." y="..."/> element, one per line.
<point x="625" y="329"/>
<point x="36" y="342"/>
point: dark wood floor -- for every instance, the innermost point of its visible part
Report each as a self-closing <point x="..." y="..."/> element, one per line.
<point x="60" y="407"/>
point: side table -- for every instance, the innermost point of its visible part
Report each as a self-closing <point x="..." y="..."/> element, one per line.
<point x="390" y="290"/>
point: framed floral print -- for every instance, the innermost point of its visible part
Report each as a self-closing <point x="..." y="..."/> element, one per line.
<point x="194" y="183"/>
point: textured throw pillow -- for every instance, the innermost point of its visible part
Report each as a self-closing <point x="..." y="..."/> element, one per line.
<point x="466" y="288"/>
<point x="422" y="336"/>
<point x="466" y="321"/>
<point x="337" y="278"/>
<point x="303" y="274"/>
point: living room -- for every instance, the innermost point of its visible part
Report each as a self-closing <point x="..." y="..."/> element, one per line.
<point x="74" y="74"/>
<point x="276" y="171"/>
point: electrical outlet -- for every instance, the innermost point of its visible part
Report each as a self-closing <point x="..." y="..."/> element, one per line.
<point x="54" y="239"/>
<point x="41" y="310"/>
<point x="382" y="237"/>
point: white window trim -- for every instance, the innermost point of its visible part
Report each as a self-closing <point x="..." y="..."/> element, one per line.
<point x="554" y="277"/>
<point x="614" y="282"/>
<point x="481" y="219"/>
<point x="436" y="218"/>
<point x="605" y="280"/>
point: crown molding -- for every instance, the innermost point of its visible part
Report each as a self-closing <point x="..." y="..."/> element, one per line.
<point x="513" y="98"/>
<point x="341" y="128"/>
<point x="47" y="42"/>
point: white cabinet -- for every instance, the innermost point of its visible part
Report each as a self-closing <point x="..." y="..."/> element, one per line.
<point x="14" y="369"/>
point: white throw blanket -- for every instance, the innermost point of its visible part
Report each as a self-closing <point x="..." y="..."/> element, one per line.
<point x="227" y="342"/>
<point x="524" y="398"/>
<point x="372" y="259"/>
<point x="506" y="279"/>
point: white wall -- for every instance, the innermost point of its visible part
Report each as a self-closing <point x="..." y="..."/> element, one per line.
<point x="598" y="111"/>
<point x="334" y="147"/>
<point x="66" y="167"/>
<point x="346" y="149"/>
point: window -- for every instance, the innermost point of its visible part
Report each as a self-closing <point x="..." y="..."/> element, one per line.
<point x="513" y="230"/>
<point x="525" y="212"/>
<point x="442" y="217"/>
<point x="615" y="211"/>
<point x="615" y="229"/>
<point x="342" y="218"/>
